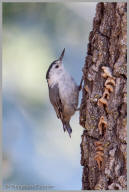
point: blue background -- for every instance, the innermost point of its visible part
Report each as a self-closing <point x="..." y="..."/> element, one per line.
<point x="35" y="148"/>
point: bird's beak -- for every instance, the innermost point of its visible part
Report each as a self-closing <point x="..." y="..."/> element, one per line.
<point x="62" y="55"/>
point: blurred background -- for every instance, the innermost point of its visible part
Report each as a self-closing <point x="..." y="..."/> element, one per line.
<point x="35" y="148"/>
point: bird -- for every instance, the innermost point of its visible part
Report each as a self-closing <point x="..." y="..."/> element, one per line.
<point x="63" y="92"/>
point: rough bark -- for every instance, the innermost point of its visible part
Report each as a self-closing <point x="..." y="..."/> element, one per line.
<point x="103" y="112"/>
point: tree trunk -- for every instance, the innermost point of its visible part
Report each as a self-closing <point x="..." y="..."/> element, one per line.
<point x="103" y="112"/>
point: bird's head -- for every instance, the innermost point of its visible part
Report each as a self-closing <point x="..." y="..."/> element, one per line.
<point x="56" y="67"/>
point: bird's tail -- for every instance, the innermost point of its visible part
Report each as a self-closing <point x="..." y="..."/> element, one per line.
<point x="66" y="126"/>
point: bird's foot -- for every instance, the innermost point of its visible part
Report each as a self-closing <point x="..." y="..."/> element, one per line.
<point x="80" y="86"/>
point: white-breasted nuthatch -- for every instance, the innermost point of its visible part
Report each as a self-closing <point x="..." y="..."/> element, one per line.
<point x="63" y="92"/>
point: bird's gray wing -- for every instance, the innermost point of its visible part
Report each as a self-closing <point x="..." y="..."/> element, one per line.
<point x="56" y="101"/>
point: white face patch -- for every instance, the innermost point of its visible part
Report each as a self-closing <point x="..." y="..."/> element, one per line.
<point x="55" y="74"/>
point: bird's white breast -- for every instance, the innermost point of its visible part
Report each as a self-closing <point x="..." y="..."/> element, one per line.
<point x="68" y="90"/>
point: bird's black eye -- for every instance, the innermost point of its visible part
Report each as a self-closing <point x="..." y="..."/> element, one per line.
<point x="57" y="66"/>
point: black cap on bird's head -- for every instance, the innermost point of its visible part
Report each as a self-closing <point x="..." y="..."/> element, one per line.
<point x="56" y="63"/>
